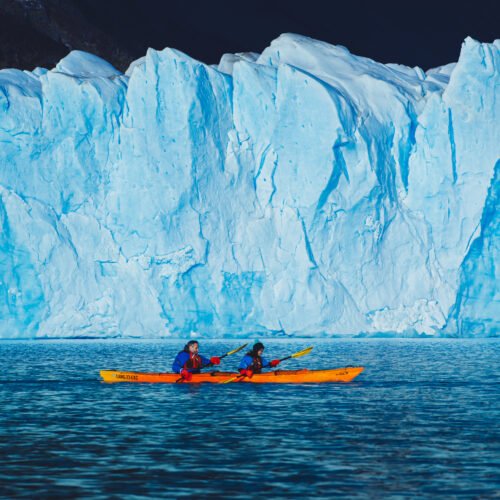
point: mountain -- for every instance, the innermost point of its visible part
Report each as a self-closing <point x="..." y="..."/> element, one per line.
<point x="41" y="32"/>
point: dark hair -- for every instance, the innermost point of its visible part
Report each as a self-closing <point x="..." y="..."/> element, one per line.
<point x="256" y="348"/>
<point x="189" y="344"/>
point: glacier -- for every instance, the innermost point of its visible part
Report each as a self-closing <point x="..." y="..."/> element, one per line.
<point x="303" y="191"/>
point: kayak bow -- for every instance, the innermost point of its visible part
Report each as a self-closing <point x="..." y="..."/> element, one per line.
<point x="275" y="377"/>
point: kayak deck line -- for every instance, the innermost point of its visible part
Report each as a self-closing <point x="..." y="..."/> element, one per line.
<point x="303" y="376"/>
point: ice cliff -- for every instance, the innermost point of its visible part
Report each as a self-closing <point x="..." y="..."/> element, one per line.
<point x="301" y="191"/>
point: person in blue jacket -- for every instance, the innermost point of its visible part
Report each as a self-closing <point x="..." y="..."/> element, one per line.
<point x="188" y="361"/>
<point x="253" y="362"/>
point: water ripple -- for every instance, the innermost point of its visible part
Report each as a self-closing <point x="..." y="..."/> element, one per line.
<point x="421" y="421"/>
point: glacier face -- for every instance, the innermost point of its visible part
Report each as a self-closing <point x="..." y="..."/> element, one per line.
<point x="301" y="191"/>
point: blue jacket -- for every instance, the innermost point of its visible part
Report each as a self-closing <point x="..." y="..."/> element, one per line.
<point x="247" y="361"/>
<point x="182" y="358"/>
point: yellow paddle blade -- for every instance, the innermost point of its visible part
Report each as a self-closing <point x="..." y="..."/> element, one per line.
<point x="302" y="353"/>
<point x="237" y="350"/>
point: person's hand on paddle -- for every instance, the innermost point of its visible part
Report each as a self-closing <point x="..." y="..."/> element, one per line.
<point x="186" y="375"/>
<point x="215" y="360"/>
<point x="246" y="373"/>
<point x="274" y="362"/>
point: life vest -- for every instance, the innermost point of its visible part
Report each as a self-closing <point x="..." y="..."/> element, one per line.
<point x="193" y="363"/>
<point x="256" y="365"/>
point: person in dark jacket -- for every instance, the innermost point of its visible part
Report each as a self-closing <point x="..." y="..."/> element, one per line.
<point x="253" y="362"/>
<point x="188" y="361"/>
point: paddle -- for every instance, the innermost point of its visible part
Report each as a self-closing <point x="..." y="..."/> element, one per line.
<point x="234" y="351"/>
<point x="305" y="351"/>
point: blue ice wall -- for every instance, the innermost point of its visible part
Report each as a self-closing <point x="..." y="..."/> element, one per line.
<point x="301" y="191"/>
<point x="477" y="308"/>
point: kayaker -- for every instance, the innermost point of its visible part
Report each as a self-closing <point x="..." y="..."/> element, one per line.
<point x="253" y="362"/>
<point x="188" y="361"/>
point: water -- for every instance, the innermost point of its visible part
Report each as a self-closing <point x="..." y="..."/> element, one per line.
<point x="421" y="421"/>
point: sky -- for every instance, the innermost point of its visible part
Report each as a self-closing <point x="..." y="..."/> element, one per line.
<point x="422" y="33"/>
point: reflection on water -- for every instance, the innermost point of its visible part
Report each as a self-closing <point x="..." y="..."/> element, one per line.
<point x="421" y="420"/>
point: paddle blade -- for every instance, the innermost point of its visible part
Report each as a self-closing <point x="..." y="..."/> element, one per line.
<point x="237" y="350"/>
<point x="302" y="353"/>
<point x="232" y="379"/>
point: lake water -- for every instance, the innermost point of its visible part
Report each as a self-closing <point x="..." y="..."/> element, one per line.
<point x="421" y="421"/>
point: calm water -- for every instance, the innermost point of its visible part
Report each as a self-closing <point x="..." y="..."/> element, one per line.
<point x="421" y="421"/>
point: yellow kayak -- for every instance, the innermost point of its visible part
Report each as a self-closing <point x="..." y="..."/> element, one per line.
<point x="273" y="377"/>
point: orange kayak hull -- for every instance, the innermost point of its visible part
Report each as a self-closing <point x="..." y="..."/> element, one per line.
<point x="346" y="374"/>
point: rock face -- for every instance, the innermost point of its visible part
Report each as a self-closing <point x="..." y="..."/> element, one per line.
<point x="40" y="32"/>
<point x="302" y="191"/>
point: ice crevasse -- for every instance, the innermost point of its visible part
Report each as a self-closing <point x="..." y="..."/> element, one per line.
<point x="304" y="191"/>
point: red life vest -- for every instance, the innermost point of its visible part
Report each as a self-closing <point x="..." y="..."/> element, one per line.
<point x="193" y="363"/>
<point x="256" y="365"/>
